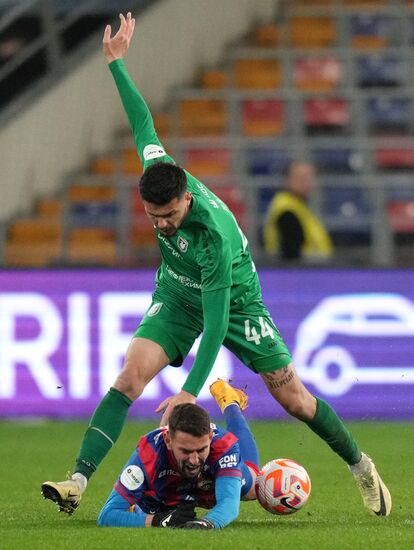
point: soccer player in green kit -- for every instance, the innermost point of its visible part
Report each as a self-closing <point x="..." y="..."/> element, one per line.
<point x="207" y="283"/>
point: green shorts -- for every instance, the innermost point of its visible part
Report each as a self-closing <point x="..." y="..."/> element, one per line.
<point x="251" y="336"/>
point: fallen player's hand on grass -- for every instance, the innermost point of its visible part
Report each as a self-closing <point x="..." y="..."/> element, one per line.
<point x="175" y="518"/>
<point x="198" y="524"/>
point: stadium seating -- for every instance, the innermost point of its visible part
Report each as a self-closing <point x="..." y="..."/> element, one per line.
<point x="257" y="74"/>
<point x="208" y="162"/>
<point x="372" y="31"/>
<point x="315" y="74"/>
<point x="401" y="216"/>
<point x="202" y="117"/>
<point x="347" y="213"/>
<point x="379" y="70"/>
<point x="312" y="32"/>
<point x="365" y="4"/>
<point x="326" y="114"/>
<point x="395" y="158"/>
<point x="266" y="162"/>
<point x="266" y="36"/>
<point x="213" y="80"/>
<point x="385" y="114"/>
<point x="262" y="118"/>
<point x="338" y="160"/>
<point x="301" y="87"/>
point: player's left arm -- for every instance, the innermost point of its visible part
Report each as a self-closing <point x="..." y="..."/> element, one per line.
<point x="216" y="307"/>
<point x="146" y="140"/>
<point x="117" y="512"/>
<point x="214" y="258"/>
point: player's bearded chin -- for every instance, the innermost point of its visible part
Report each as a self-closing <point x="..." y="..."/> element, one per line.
<point x="189" y="470"/>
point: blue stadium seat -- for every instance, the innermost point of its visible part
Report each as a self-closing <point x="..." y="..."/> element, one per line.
<point x="265" y="195"/>
<point x="94" y="214"/>
<point x="346" y="211"/>
<point x="374" y="70"/>
<point x="388" y="113"/>
<point x="337" y="160"/>
<point x="373" y="25"/>
<point x="400" y="188"/>
<point x="266" y="162"/>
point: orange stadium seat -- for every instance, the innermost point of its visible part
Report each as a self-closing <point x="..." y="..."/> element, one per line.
<point x="49" y="207"/>
<point x="35" y="230"/>
<point x="257" y="74"/>
<point x="93" y="246"/>
<point x="162" y="124"/>
<point x="32" y="254"/>
<point x="208" y="162"/>
<point x="93" y="193"/>
<point x="312" y="32"/>
<point x="365" y="4"/>
<point x="214" y="80"/>
<point x="266" y="36"/>
<point x="103" y="165"/>
<point x="369" y="42"/>
<point x="202" y="117"/>
<point x="316" y="74"/>
<point x="131" y="164"/>
<point x="141" y="232"/>
<point x="263" y="118"/>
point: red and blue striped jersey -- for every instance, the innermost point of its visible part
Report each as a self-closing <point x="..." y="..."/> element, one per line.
<point x="151" y="480"/>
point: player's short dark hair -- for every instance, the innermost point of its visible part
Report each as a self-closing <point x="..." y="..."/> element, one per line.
<point x="189" y="418"/>
<point x="162" y="182"/>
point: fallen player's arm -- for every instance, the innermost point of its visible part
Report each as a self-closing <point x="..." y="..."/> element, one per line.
<point x="226" y="510"/>
<point x="117" y="512"/>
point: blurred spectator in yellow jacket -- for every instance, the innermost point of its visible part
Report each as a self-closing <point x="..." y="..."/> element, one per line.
<point x="292" y="231"/>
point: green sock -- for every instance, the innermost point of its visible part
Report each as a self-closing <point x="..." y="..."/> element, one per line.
<point x="332" y="430"/>
<point x="104" y="429"/>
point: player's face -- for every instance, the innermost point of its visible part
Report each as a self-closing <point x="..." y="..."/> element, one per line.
<point x="168" y="217"/>
<point x="189" y="451"/>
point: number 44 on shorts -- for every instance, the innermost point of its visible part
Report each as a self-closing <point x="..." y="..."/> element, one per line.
<point x="253" y="336"/>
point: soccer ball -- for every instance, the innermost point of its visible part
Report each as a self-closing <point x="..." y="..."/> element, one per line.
<point x="283" y="486"/>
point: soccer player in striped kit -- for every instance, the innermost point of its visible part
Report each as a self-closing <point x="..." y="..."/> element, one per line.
<point x="189" y="463"/>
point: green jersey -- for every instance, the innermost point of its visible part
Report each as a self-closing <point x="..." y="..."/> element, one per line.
<point x="209" y="250"/>
<point x="207" y="263"/>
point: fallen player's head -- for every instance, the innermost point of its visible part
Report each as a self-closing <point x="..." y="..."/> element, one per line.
<point x="163" y="189"/>
<point x="189" y="438"/>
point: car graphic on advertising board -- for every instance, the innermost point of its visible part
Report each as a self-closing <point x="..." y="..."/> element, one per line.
<point x="365" y="319"/>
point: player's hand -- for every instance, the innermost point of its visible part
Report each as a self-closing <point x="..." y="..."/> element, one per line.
<point x="168" y="404"/>
<point x="116" y="47"/>
<point x="198" y="524"/>
<point x="175" y="518"/>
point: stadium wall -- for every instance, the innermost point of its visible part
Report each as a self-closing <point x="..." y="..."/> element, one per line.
<point x="77" y="117"/>
<point x="63" y="336"/>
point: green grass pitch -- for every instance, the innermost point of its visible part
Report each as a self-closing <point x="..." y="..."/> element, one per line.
<point x="333" y="518"/>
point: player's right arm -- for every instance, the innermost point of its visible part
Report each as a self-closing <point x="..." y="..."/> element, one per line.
<point x="146" y="140"/>
<point x="122" y="508"/>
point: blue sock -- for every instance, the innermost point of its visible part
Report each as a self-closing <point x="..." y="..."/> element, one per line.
<point x="237" y="424"/>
